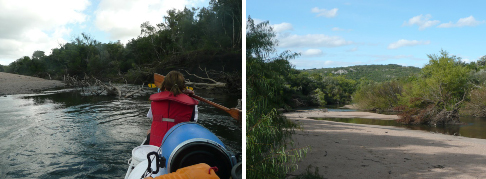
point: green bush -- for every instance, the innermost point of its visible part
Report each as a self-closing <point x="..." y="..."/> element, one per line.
<point x="267" y="133"/>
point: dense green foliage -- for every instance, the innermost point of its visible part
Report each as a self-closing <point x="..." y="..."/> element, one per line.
<point x="443" y="87"/>
<point x="266" y="131"/>
<point x="335" y="86"/>
<point x="377" y="73"/>
<point x="197" y="40"/>
<point x="315" y="89"/>
<point x="378" y="95"/>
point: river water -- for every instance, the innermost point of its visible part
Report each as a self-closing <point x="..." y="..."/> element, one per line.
<point x="62" y="134"/>
<point x="474" y="127"/>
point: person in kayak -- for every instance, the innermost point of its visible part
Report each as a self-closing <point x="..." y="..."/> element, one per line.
<point x="170" y="107"/>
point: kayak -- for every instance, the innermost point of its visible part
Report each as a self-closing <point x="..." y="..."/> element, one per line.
<point x="186" y="147"/>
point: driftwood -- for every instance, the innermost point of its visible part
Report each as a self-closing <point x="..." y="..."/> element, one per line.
<point x="207" y="85"/>
<point x="215" y="83"/>
<point x="134" y="92"/>
<point x="93" y="86"/>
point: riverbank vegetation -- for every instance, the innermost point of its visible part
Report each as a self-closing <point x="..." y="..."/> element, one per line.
<point x="436" y="94"/>
<point x="202" y="41"/>
<point x="273" y="84"/>
<point x="267" y="132"/>
<point x="445" y="88"/>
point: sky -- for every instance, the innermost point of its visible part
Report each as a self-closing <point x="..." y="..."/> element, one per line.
<point x="30" y="25"/>
<point x="337" y="33"/>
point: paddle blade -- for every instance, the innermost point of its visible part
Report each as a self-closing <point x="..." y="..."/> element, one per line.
<point x="235" y="113"/>
<point x="151" y="85"/>
<point x="158" y="79"/>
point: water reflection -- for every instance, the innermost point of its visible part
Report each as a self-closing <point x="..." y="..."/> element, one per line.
<point x="62" y="134"/>
<point x="474" y="127"/>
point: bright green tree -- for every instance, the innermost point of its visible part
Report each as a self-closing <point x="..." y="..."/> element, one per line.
<point x="438" y="94"/>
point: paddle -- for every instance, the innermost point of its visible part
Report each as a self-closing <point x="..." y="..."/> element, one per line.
<point x="234" y="112"/>
<point x="158" y="79"/>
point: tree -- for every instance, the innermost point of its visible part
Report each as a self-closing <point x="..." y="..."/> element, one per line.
<point x="267" y="132"/>
<point x="482" y="61"/>
<point x="383" y="96"/>
<point x="38" y="54"/>
<point x="438" y="94"/>
<point x="187" y="39"/>
<point x="229" y="15"/>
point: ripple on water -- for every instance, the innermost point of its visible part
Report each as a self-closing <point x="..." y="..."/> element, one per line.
<point x="65" y="135"/>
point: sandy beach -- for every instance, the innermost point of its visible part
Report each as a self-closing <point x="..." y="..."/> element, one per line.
<point x="20" y="84"/>
<point x="343" y="150"/>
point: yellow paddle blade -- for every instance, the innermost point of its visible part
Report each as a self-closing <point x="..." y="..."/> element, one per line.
<point x="189" y="88"/>
<point x="151" y="85"/>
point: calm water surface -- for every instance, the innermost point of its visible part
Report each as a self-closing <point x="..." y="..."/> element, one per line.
<point x="62" y="134"/>
<point x="473" y="127"/>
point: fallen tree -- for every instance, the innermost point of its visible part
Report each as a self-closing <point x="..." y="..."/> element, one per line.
<point x="214" y="84"/>
<point x="93" y="86"/>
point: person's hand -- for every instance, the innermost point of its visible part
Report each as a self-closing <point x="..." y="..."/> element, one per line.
<point x="188" y="92"/>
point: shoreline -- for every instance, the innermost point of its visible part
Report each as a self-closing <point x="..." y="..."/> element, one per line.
<point x="335" y="114"/>
<point x="345" y="150"/>
<point x="11" y="84"/>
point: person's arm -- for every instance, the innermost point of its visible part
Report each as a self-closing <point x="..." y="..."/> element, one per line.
<point x="149" y="115"/>
<point x="195" y="113"/>
<point x="189" y="92"/>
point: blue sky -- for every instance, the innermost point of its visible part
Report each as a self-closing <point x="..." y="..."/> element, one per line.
<point x="30" y="25"/>
<point x="334" y="33"/>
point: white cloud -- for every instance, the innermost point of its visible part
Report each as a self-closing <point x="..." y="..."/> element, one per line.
<point x="282" y="27"/>
<point x="467" y="21"/>
<point x="404" y="43"/>
<point x="311" y="64"/>
<point x="339" y="29"/>
<point x="122" y="19"/>
<point x="421" y="21"/>
<point x="352" y="50"/>
<point x="312" y="40"/>
<point x="325" y="12"/>
<point x="27" y="26"/>
<point x="312" y="53"/>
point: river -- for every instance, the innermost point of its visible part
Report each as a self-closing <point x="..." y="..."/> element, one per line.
<point x="474" y="127"/>
<point x="62" y="134"/>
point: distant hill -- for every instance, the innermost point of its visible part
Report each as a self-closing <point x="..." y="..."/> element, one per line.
<point x="376" y="73"/>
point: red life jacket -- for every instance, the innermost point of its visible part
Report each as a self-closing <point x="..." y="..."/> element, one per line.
<point x="167" y="111"/>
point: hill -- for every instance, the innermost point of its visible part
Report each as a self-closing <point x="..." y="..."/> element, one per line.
<point x="378" y="73"/>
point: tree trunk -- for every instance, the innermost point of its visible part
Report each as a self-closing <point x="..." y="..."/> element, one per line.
<point x="446" y="117"/>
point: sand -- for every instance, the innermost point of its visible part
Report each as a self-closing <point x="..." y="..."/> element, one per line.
<point x="343" y="150"/>
<point x="335" y="114"/>
<point x="20" y="84"/>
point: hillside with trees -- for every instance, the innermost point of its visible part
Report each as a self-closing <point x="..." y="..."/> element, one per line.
<point x="378" y="73"/>
<point x="445" y="88"/>
<point x="202" y="41"/>
<point x="437" y="94"/>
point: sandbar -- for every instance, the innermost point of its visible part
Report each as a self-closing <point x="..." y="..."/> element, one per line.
<point x="21" y="84"/>
<point x="344" y="150"/>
